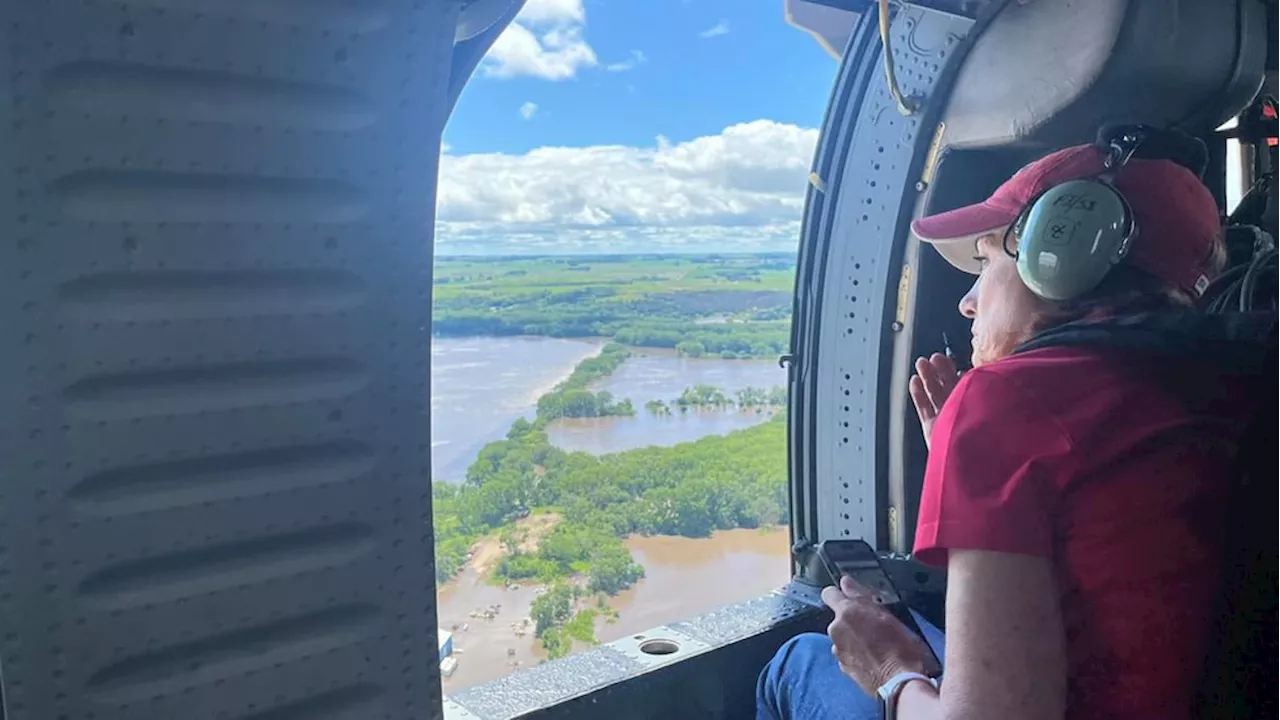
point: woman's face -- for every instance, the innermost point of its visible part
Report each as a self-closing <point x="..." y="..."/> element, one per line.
<point x="1001" y="307"/>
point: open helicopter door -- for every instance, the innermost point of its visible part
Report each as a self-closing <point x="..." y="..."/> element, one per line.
<point x="1024" y="79"/>
<point x="215" y="479"/>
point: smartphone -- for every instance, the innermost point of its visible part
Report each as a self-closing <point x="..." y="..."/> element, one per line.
<point x="859" y="561"/>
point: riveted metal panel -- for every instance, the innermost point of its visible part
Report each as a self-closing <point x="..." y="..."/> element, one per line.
<point x="867" y="204"/>
<point x="216" y="259"/>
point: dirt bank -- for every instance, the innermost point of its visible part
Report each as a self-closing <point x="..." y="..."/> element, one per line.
<point x="532" y="529"/>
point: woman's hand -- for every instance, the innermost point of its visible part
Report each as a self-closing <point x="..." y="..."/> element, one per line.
<point x="870" y="644"/>
<point x="935" y="378"/>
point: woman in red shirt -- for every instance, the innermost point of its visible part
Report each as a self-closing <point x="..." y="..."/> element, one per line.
<point x="1075" y="494"/>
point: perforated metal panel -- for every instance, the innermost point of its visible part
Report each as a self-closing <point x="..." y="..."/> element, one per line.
<point x="868" y="206"/>
<point x="216" y="252"/>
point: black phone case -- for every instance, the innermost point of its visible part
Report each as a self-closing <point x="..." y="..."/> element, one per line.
<point x="897" y="607"/>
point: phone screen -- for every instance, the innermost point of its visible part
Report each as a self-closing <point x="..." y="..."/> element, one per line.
<point x="859" y="561"/>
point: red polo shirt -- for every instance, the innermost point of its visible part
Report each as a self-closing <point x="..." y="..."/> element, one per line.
<point x="1112" y="464"/>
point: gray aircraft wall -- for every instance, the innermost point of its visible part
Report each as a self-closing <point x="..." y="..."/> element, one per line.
<point x="216" y="256"/>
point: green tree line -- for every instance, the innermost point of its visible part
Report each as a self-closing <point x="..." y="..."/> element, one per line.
<point x="572" y="399"/>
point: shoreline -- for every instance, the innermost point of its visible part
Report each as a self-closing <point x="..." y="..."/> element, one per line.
<point x="538" y="392"/>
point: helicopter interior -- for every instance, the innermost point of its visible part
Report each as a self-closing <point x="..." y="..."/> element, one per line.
<point x="216" y="493"/>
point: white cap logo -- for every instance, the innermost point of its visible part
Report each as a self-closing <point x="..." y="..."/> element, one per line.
<point x="1202" y="284"/>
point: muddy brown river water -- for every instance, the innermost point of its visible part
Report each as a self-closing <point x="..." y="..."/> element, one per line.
<point x="683" y="577"/>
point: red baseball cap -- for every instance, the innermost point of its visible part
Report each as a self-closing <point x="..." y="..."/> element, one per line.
<point x="1177" y="218"/>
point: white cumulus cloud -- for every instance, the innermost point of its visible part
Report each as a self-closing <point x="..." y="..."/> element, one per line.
<point x="740" y="189"/>
<point x="720" y="28"/>
<point x="545" y="41"/>
<point x="550" y="11"/>
<point x="528" y="110"/>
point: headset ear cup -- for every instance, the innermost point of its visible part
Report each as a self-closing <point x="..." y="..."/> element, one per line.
<point x="1072" y="236"/>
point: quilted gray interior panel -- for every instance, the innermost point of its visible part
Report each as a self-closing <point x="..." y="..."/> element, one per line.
<point x="216" y="259"/>
<point x="1055" y="71"/>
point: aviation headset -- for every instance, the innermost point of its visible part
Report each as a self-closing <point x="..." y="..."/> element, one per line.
<point x="1071" y="235"/>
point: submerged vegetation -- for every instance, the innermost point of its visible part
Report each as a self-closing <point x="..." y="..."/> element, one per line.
<point x="709" y="397"/>
<point x="754" y="397"/>
<point x="725" y="306"/>
<point x="558" y="623"/>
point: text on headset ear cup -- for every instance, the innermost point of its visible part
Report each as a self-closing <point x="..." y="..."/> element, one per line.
<point x="1071" y="237"/>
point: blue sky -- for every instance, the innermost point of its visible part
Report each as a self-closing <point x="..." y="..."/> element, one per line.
<point x="600" y="126"/>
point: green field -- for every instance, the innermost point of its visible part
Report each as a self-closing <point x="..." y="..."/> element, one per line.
<point x="730" y="306"/>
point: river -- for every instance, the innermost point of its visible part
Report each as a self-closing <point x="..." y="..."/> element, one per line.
<point x="481" y="385"/>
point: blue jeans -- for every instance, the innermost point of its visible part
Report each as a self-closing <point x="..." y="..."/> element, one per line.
<point x="804" y="682"/>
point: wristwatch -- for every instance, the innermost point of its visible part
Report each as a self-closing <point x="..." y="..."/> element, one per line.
<point x="892" y="689"/>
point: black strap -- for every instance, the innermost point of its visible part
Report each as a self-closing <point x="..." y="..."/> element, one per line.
<point x="1160" y="144"/>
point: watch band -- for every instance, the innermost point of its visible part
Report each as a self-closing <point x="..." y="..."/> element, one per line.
<point x="892" y="689"/>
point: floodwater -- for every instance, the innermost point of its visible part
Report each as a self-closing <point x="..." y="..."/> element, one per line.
<point x="689" y="576"/>
<point x="656" y="375"/>
<point x="481" y="645"/>
<point x="480" y="385"/>
<point x="683" y="577"/>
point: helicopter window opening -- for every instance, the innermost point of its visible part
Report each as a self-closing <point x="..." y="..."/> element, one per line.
<point x="1236" y="177"/>
<point x="636" y="475"/>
